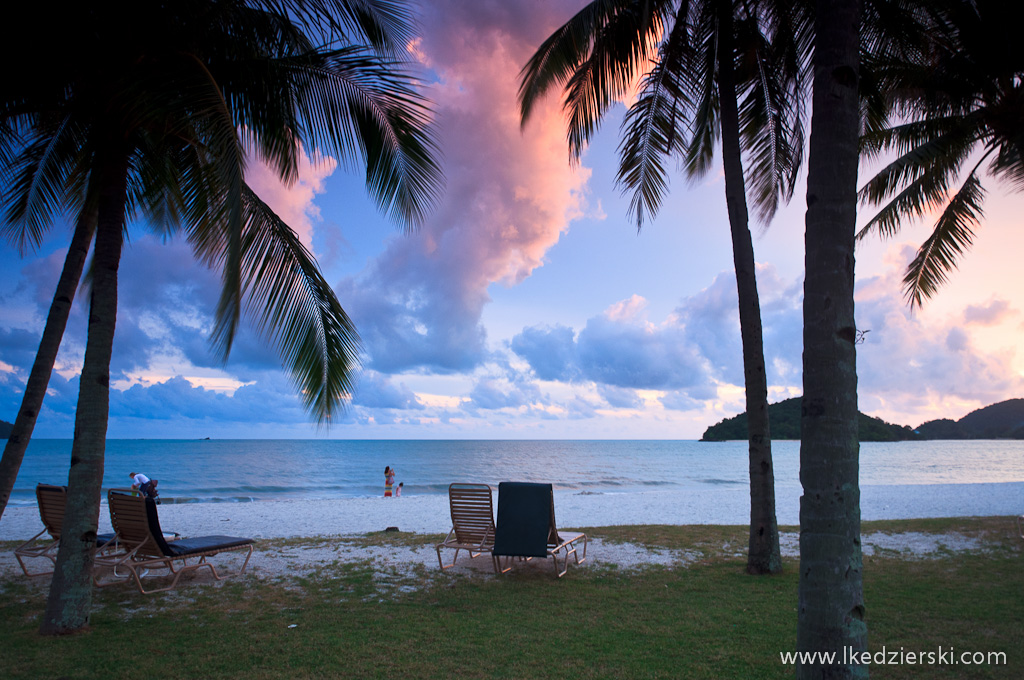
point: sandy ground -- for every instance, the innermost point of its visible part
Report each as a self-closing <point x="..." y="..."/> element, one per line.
<point x="429" y="513"/>
<point x="340" y="520"/>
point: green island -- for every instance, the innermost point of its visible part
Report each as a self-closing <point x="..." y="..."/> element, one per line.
<point x="1004" y="420"/>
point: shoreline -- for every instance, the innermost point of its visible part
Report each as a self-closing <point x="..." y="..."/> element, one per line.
<point x="429" y="514"/>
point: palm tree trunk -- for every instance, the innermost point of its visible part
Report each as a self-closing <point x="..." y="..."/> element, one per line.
<point x="46" y="356"/>
<point x="763" y="554"/>
<point x="831" y="606"/>
<point x="70" y="600"/>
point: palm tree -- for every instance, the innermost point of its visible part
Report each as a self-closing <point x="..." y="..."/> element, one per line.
<point x="959" y="102"/>
<point x="718" y="68"/>
<point x="163" y="105"/>
<point x="831" y="605"/>
<point x="46" y="356"/>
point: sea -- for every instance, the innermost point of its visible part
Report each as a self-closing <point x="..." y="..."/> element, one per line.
<point x="244" y="470"/>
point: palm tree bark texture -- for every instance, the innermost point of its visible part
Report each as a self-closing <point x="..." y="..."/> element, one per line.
<point x="763" y="554"/>
<point x="831" y="597"/>
<point x="70" y="599"/>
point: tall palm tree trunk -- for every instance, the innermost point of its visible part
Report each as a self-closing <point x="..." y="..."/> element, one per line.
<point x="831" y="605"/>
<point x="70" y="599"/>
<point x="763" y="554"/>
<point x="46" y="356"/>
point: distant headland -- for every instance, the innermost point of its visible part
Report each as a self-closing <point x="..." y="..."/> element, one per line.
<point x="1004" y="420"/>
<point x="5" y="429"/>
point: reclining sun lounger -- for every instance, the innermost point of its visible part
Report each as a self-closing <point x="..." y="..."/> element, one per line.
<point x="472" y="521"/>
<point x="526" y="528"/>
<point x="142" y="546"/>
<point x="52" y="501"/>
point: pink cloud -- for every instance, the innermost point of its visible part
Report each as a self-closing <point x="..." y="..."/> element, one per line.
<point x="914" y="367"/>
<point x="294" y="204"/>
<point x="510" y="193"/>
<point x="993" y="312"/>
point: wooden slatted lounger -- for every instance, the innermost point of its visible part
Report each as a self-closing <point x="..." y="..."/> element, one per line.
<point x="472" y="530"/>
<point x="52" y="501"/>
<point x="142" y="546"/>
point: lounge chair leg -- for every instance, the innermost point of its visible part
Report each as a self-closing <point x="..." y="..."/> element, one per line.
<point x="26" y="549"/>
<point x="440" y="561"/>
<point x="246" y="563"/>
<point x="38" y="573"/>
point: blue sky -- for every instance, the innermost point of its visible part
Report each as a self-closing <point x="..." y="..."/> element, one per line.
<point x="527" y="306"/>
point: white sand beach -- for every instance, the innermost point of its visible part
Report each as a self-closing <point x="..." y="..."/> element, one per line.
<point x="429" y="513"/>
<point x="338" y="519"/>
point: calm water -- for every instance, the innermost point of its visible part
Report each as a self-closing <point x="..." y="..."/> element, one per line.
<point x="244" y="470"/>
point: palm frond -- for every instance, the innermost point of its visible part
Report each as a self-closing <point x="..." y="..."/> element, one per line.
<point x="558" y="57"/>
<point x="905" y="137"/>
<point x="925" y="173"/>
<point x="655" y="127"/>
<point x="1008" y="163"/>
<point x="596" y="55"/>
<point x="37" y="183"/>
<point x="385" y="25"/>
<point x="358" y="105"/>
<point x="705" y="119"/>
<point x="210" y="128"/>
<point x="297" y="309"/>
<point x="953" y="234"/>
<point x="771" y="117"/>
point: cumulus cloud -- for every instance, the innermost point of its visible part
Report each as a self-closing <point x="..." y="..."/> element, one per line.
<point x="293" y="203"/>
<point x="619" y="348"/>
<point x="510" y="194"/>
<point x="620" y="397"/>
<point x="629" y="352"/>
<point x="17" y="352"/>
<point x="551" y="352"/>
<point x="912" y="361"/>
<point x="711" y="318"/>
<point x="178" y="399"/>
<point x="680" y="401"/>
<point x="166" y="304"/>
<point x="993" y="312"/>
<point x="692" y="351"/>
<point x="908" y="364"/>
<point x="375" y="390"/>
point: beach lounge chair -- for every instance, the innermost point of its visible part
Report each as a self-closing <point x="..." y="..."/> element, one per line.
<point x="527" y="529"/>
<point x="141" y="545"/>
<point x="51" y="500"/>
<point x="472" y="530"/>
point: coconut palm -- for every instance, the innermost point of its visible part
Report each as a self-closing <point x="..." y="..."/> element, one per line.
<point x="714" y="69"/>
<point x="958" y="104"/>
<point x="831" y="606"/>
<point x="152" y="121"/>
<point x="46" y="356"/>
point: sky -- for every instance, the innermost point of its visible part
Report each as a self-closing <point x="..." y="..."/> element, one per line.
<point x="528" y="305"/>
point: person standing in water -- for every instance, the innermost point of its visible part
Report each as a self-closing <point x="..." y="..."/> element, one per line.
<point x="389" y="480"/>
<point x="398" y="490"/>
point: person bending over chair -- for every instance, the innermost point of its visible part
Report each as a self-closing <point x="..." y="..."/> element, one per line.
<point x="145" y="485"/>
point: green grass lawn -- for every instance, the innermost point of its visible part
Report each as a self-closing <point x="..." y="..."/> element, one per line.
<point x="705" y="620"/>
